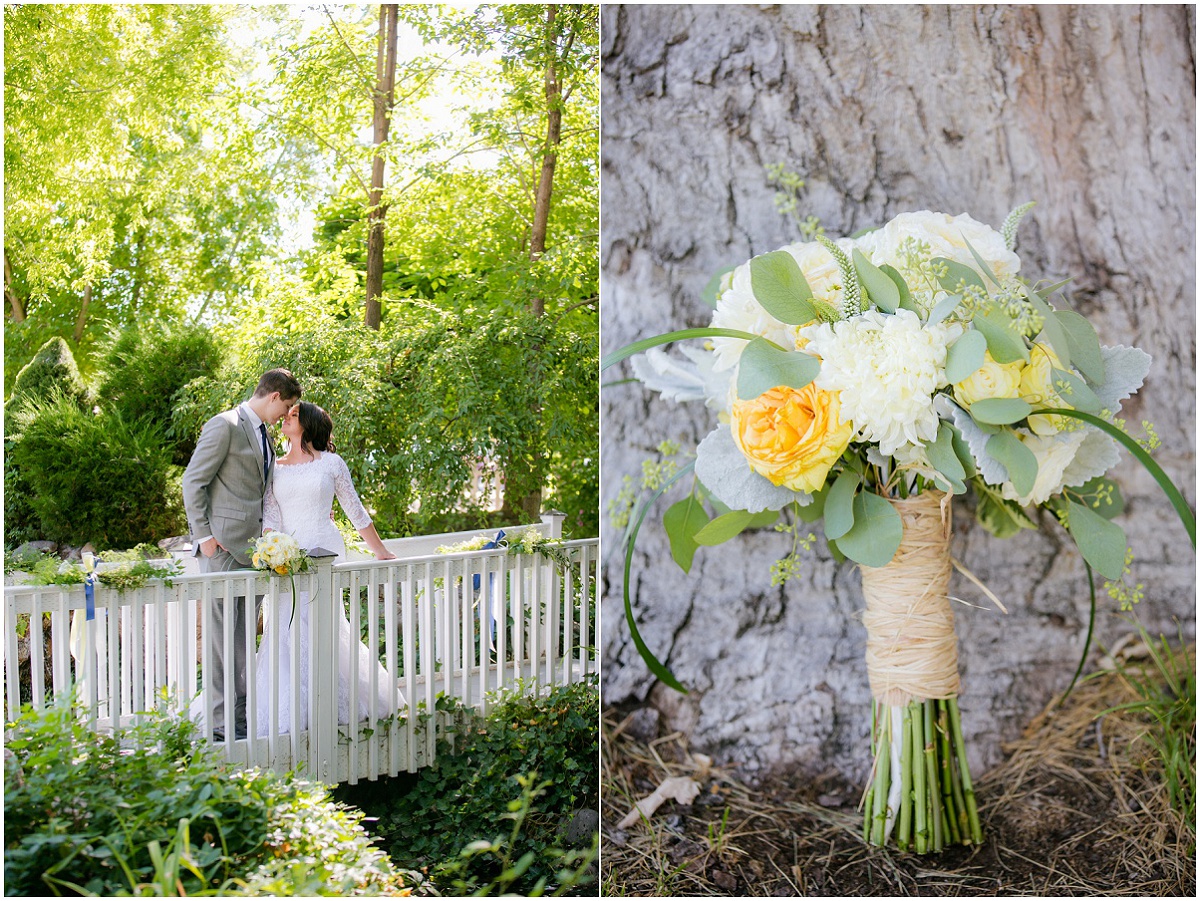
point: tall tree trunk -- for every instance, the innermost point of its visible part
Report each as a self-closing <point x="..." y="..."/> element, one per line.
<point x="1002" y="104"/>
<point x="385" y="75"/>
<point x="18" y="308"/>
<point x="531" y="504"/>
<point x="81" y="319"/>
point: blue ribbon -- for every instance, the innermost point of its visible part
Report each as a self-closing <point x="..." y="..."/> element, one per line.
<point x="89" y="595"/>
<point x="491" y="545"/>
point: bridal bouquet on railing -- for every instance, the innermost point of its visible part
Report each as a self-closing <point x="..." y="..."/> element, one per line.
<point x="281" y="554"/>
<point x="864" y="382"/>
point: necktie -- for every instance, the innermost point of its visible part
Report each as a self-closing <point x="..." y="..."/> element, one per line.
<point x="262" y="430"/>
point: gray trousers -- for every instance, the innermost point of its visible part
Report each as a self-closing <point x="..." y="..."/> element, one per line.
<point x="214" y="636"/>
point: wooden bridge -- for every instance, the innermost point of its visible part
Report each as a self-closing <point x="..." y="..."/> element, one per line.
<point x="458" y="626"/>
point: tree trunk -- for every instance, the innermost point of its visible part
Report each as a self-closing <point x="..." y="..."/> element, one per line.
<point x="1088" y="110"/>
<point x="81" y="319"/>
<point x="18" y="309"/>
<point x="385" y="75"/>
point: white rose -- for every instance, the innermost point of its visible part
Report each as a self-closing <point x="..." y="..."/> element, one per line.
<point x="1054" y="454"/>
<point x="947" y="236"/>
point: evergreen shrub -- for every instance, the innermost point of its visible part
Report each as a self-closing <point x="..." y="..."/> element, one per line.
<point x="97" y="477"/>
<point x="52" y="370"/>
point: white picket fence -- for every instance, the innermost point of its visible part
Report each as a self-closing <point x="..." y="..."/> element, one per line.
<point x="442" y="625"/>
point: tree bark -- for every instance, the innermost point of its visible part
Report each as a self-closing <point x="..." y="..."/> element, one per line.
<point x="385" y="75"/>
<point x="883" y="109"/>
<point x="14" y="302"/>
<point x="81" y="319"/>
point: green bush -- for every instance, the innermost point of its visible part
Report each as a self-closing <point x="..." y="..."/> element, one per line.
<point x="21" y="522"/>
<point x="431" y="819"/>
<point x="52" y="370"/>
<point x="97" y="477"/>
<point x="144" y="371"/>
<point x="89" y="812"/>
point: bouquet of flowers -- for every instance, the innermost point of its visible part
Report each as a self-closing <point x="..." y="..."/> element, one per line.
<point x="280" y="553"/>
<point x="864" y="382"/>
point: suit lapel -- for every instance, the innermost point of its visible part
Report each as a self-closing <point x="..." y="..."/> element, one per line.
<point x="252" y="435"/>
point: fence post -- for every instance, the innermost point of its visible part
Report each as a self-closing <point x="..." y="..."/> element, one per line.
<point x="324" y="613"/>
<point x="554" y="520"/>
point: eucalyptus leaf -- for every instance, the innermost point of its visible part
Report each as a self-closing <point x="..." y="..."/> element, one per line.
<point x="880" y="287"/>
<point x="1000" y="516"/>
<point x="1004" y="340"/>
<point x="1101" y="542"/>
<point x="963" y="451"/>
<point x="1016" y="458"/>
<point x="906" y="301"/>
<point x="1084" y="345"/>
<point x="811" y="512"/>
<point x="1000" y="410"/>
<point x="724" y="527"/>
<point x="764" y="366"/>
<point x="957" y="273"/>
<point x="839" y="504"/>
<point x="710" y="293"/>
<point x="780" y="287"/>
<point x="682" y="521"/>
<point x="876" y="534"/>
<point x="983" y="266"/>
<point x="965" y="356"/>
<point x="763" y="519"/>
<point x="941" y="454"/>
<point x="1052" y="330"/>
<point x="1103" y="495"/>
<point x="944" y="308"/>
<point x="1075" y="391"/>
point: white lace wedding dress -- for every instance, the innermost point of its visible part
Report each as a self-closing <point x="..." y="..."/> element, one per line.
<point x="298" y="502"/>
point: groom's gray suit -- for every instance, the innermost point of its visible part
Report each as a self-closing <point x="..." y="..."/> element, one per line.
<point x="223" y="490"/>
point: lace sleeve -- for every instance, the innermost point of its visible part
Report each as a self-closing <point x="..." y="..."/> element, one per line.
<point x="347" y="496"/>
<point x="272" y="516"/>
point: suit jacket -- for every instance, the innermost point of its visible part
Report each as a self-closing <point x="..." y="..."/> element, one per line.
<point x="223" y="485"/>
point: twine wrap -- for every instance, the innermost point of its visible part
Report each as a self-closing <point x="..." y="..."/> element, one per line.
<point x="912" y="652"/>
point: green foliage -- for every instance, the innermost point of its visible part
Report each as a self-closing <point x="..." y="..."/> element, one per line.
<point x="51" y="370"/>
<point x="96" y="477"/>
<point x="144" y="371"/>
<point x="91" y="812"/>
<point x="467" y="795"/>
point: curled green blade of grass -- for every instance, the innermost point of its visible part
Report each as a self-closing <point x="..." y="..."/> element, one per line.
<point x="656" y="667"/>
<point x="645" y="344"/>
<point x="1174" y="495"/>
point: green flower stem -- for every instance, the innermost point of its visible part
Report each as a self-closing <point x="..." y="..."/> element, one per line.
<point x="904" y="830"/>
<point x="951" y="818"/>
<point x="965" y="773"/>
<point x="882" y="783"/>
<point x="931" y="776"/>
<point x="920" y="798"/>
<point x="867" y="806"/>
<point x="963" y="824"/>
<point x="646" y="343"/>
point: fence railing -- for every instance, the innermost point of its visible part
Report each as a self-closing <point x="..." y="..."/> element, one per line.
<point x="381" y="640"/>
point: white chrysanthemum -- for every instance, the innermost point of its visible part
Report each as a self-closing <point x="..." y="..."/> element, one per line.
<point x="737" y="308"/>
<point x="887" y="369"/>
<point x="947" y="236"/>
<point x="1054" y="454"/>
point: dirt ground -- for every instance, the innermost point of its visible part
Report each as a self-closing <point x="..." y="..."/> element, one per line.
<point x="1079" y="807"/>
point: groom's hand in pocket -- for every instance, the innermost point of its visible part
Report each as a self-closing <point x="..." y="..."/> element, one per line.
<point x="208" y="547"/>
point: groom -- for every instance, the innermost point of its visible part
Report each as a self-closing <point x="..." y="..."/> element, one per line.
<point x="223" y="490"/>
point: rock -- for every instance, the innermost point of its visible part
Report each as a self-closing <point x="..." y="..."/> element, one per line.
<point x="33" y="548"/>
<point x="643" y="724"/>
<point x="181" y="544"/>
<point x="581" y="827"/>
<point x="727" y="882"/>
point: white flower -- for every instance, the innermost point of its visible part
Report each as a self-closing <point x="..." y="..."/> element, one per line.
<point x="1054" y="454"/>
<point x="737" y="307"/>
<point x="947" y="236"/>
<point x="887" y="368"/>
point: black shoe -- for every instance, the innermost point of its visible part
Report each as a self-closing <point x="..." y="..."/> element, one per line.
<point x="218" y="734"/>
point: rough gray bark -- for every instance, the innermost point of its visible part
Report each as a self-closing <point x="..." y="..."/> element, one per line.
<point x="1088" y="110"/>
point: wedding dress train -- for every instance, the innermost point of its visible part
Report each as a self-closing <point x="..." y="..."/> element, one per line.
<point x="299" y="502"/>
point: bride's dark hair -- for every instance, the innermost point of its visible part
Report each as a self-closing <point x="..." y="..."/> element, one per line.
<point x="316" y="427"/>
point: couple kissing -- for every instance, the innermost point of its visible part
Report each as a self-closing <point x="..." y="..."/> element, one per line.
<point x="234" y="490"/>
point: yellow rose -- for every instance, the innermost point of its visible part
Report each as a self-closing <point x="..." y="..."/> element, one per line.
<point x="282" y="570"/>
<point x="990" y="380"/>
<point x="791" y="437"/>
<point x="1037" y="389"/>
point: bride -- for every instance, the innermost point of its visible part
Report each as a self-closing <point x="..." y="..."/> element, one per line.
<point x="299" y="501"/>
